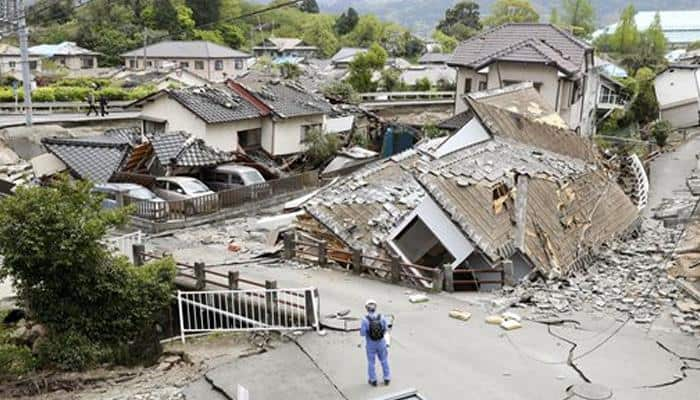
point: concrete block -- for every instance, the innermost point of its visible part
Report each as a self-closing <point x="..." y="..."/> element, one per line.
<point x="418" y="298"/>
<point x="460" y="315"/>
<point x="494" y="319"/>
<point x="511" y="324"/>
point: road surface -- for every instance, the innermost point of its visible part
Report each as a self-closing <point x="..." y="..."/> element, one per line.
<point x="9" y="120"/>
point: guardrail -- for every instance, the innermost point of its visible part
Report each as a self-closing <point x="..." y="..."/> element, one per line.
<point x="402" y="96"/>
<point x="165" y="211"/>
<point x="61" y="106"/>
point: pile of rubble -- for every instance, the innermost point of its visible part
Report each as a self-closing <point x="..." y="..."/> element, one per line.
<point x="628" y="280"/>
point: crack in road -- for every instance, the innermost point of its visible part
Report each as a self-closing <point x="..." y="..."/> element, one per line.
<point x="685" y="367"/>
<point x="574" y="345"/>
<point x="217" y="388"/>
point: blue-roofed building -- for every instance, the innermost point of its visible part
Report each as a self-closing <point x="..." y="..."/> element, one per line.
<point x="680" y="27"/>
<point x="67" y="55"/>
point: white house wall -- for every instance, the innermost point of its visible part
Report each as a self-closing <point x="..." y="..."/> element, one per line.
<point x="678" y="94"/>
<point x="454" y="241"/>
<point x="179" y="118"/>
<point x="268" y="128"/>
<point x="462" y="75"/>
<point x="225" y="136"/>
<point x="471" y="133"/>
<point x="287" y="134"/>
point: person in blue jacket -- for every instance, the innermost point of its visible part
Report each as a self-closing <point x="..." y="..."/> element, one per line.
<point x="373" y="329"/>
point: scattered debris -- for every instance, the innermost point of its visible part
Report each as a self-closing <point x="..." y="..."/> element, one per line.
<point x="511" y="324"/>
<point x="418" y="298"/>
<point x="460" y="315"/>
<point x="494" y="319"/>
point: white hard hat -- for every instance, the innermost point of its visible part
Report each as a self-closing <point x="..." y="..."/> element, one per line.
<point x="370" y="304"/>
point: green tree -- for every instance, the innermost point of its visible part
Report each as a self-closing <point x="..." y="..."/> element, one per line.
<point x="164" y="16"/>
<point x="209" y="36"/>
<point x="644" y="107"/>
<point x="232" y="35"/>
<point x="461" y="21"/>
<point x="654" y="40"/>
<point x="321" y="147"/>
<point x="319" y="32"/>
<point x="423" y="85"/>
<point x="448" y="44"/>
<point x="363" y="67"/>
<point x="346" y="22"/>
<point x="108" y="28"/>
<point x="204" y="12"/>
<point x="626" y="37"/>
<point x="391" y="80"/>
<point x="505" y="11"/>
<point x="51" y="240"/>
<point x="309" y="6"/>
<point x="340" y="91"/>
<point x="369" y="30"/>
<point x="554" y="18"/>
<point x="579" y="16"/>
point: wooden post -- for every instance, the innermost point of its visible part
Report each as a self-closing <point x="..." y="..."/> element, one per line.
<point x="322" y="254"/>
<point x="449" y="278"/>
<point x="270" y="302"/>
<point x="289" y="245"/>
<point x="233" y="280"/>
<point x="310" y="315"/>
<point x="139" y="250"/>
<point x="395" y="269"/>
<point x="438" y="279"/>
<point x="357" y="261"/>
<point x="200" y="274"/>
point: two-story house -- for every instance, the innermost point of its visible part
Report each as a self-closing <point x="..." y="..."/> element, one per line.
<point x="67" y="55"/>
<point x="211" y="61"/>
<point x="556" y="62"/>
<point x="276" y="47"/>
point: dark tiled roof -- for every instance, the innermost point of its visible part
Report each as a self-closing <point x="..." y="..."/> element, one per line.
<point x="187" y="49"/>
<point x="523" y="42"/>
<point x="214" y="105"/>
<point x="429" y="58"/>
<point x="457" y="121"/>
<point x="183" y="150"/>
<point x="94" y="159"/>
<point x="130" y="135"/>
<point x="286" y="98"/>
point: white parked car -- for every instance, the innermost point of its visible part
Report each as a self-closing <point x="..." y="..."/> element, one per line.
<point x="186" y="194"/>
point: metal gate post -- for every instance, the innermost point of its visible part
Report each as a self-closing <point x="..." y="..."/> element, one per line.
<point x="182" y="317"/>
<point x="270" y="301"/>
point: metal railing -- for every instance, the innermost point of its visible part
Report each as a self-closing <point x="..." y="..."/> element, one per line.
<point x="248" y="310"/>
<point x="401" y="96"/>
<point x="164" y="211"/>
<point x="124" y="244"/>
<point x="60" y="106"/>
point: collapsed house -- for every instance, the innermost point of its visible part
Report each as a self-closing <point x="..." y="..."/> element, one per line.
<point x="513" y="189"/>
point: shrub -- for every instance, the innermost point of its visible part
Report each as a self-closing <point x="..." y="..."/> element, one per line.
<point x="68" y="279"/>
<point x="83" y="82"/>
<point x="68" y="352"/>
<point x="7" y="96"/>
<point x="422" y="85"/>
<point x="15" y="360"/>
<point x="660" y="131"/>
<point x="140" y="92"/>
<point x="113" y="93"/>
<point x="340" y="90"/>
<point x="321" y="146"/>
<point x="44" y="94"/>
<point x="71" y="93"/>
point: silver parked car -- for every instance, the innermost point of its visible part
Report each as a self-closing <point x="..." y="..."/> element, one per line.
<point x="147" y="204"/>
<point x="186" y="195"/>
<point x="231" y="176"/>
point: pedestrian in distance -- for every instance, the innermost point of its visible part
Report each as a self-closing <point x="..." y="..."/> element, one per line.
<point x="103" y="105"/>
<point x="91" y="104"/>
<point x="374" y="328"/>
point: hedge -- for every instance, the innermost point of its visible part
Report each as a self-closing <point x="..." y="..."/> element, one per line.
<point x="76" y="93"/>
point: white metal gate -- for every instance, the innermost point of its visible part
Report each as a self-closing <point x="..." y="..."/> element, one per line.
<point x="248" y="310"/>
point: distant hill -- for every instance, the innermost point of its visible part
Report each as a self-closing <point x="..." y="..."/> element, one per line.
<point x="422" y="15"/>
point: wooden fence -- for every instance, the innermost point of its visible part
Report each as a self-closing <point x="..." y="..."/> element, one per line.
<point x="391" y="269"/>
<point x="164" y="211"/>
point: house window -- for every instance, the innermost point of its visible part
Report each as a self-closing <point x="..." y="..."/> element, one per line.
<point x="250" y="139"/>
<point x="500" y="196"/>
<point x="199" y="65"/>
<point x="13" y="64"/>
<point x="239" y="64"/>
<point x="306" y="129"/>
<point x="184" y="64"/>
<point x="133" y="64"/>
<point x="33" y="65"/>
<point x="87" y="63"/>
<point x="482" y="85"/>
<point x="219" y="65"/>
<point x="149" y="64"/>
<point x="467" y="85"/>
<point x="62" y="61"/>
<point x="576" y="92"/>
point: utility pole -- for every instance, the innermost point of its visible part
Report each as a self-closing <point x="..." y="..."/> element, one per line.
<point x="24" y="52"/>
